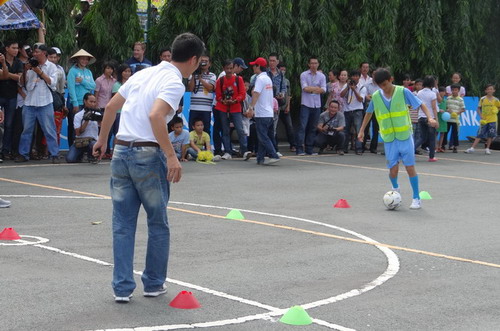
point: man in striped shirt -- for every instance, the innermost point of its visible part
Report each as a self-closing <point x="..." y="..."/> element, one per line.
<point x="40" y="80"/>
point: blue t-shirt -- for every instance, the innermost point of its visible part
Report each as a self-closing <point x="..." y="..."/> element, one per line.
<point x="178" y="141"/>
<point x="410" y="99"/>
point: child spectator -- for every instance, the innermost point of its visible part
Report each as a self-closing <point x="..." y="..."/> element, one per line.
<point x="179" y="138"/>
<point x="414" y="112"/>
<point x="427" y="132"/>
<point x="455" y="106"/>
<point x="198" y="139"/>
<point x="407" y="83"/>
<point x="488" y="111"/>
<point x="443" y="125"/>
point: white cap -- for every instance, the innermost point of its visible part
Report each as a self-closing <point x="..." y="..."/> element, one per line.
<point x="58" y="51"/>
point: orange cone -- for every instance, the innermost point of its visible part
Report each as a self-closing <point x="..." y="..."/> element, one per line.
<point x="9" y="234"/>
<point x="342" y="203"/>
<point x="185" y="300"/>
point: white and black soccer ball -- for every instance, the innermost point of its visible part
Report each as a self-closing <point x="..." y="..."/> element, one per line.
<point x="392" y="200"/>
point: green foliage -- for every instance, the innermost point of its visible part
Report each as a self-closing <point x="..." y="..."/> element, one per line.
<point x="112" y="28"/>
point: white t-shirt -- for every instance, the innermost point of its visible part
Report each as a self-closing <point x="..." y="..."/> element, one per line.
<point x="92" y="129"/>
<point x="264" y="105"/>
<point x="164" y="82"/>
<point x="352" y="102"/>
<point x="426" y="95"/>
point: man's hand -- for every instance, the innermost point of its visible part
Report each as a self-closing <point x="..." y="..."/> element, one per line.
<point x="99" y="149"/>
<point x="37" y="70"/>
<point x="65" y="111"/>
<point x="174" y="170"/>
<point x="361" y="135"/>
<point x="432" y="123"/>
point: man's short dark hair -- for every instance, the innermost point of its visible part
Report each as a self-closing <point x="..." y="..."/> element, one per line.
<point x="334" y="101"/>
<point x="418" y="80"/>
<point x="455" y="86"/>
<point x="354" y="73"/>
<point x="9" y="43"/>
<point x="51" y="51"/>
<point x="227" y="62"/>
<point x="176" y="120"/>
<point x="429" y="81"/>
<point x="185" y="46"/>
<point x="87" y="95"/>
<point x="381" y="75"/>
<point x="361" y="64"/>
<point x="165" y="49"/>
<point x="274" y="54"/>
<point x="282" y="64"/>
<point x="312" y="57"/>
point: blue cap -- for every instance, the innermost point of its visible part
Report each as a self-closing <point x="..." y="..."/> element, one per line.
<point x="240" y="62"/>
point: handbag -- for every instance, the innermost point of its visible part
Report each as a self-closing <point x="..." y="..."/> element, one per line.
<point x="57" y="98"/>
<point x="82" y="142"/>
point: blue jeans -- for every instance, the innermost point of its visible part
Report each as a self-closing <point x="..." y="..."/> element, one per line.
<point x="427" y="134"/>
<point x="265" y="134"/>
<point x="308" y="121"/>
<point x="354" y="119"/>
<point x="45" y="116"/>
<point x="139" y="176"/>
<point x="237" y="119"/>
<point x="9" y="110"/>
<point x="76" y="154"/>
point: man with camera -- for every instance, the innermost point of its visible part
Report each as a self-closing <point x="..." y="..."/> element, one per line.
<point x="41" y="79"/>
<point x="331" y="129"/>
<point x="8" y="94"/>
<point x="355" y="94"/>
<point x="86" y="124"/>
<point x="202" y="88"/>
<point x="279" y="90"/>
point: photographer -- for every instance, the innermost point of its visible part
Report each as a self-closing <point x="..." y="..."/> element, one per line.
<point x="331" y="128"/>
<point x="355" y="94"/>
<point x="202" y="88"/>
<point x="230" y="93"/>
<point x="41" y="79"/>
<point x="86" y="129"/>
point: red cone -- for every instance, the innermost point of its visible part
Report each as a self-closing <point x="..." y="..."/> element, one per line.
<point x="185" y="300"/>
<point x="9" y="234"/>
<point x="342" y="203"/>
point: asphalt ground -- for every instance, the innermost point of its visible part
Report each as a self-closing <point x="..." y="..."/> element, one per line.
<point x="359" y="268"/>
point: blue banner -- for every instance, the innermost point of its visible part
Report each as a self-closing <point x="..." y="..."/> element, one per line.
<point x="16" y="14"/>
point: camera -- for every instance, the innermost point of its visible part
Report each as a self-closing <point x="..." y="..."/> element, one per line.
<point x="352" y="83"/>
<point x="198" y="71"/>
<point x="33" y="62"/>
<point x="28" y="51"/>
<point x="228" y="94"/>
<point x="92" y="114"/>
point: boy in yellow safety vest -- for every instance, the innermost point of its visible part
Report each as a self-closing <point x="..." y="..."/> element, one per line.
<point x="390" y="105"/>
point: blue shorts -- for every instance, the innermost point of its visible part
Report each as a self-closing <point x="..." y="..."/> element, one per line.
<point x="489" y="130"/>
<point x="400" y="150"/>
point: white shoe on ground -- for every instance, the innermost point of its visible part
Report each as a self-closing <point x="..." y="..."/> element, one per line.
<point x="279" y="154"/>
<point x="123" y="299"/>
<point x="4" y="203"/>
<point x="247" y="155"/>
<point x="216" y="158"/>
<point x="416" y="204"/>
<point x="487" y="151"/>
<point x="469" y="150"/>
<point x="227" y="156"/>
<point x="398" y="189"/>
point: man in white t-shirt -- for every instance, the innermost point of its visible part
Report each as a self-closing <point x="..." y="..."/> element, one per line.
<point x="144" y="162"/>
<point x="427" y="133"/>
<point x="86" y="130"/>
<point x="262" y="110"/>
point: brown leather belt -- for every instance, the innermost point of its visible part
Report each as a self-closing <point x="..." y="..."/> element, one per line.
<point x="136" y="143"/>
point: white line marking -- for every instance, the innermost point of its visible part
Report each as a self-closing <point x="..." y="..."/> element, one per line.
<point x="52" y="196"/>
<point x="21" y="242"/>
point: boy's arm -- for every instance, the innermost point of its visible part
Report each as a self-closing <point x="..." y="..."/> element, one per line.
<point x="207" y="145"/>
<point x="194" y="146"/>
<point x="183" y="152"/>
<point x="366" y="120"/>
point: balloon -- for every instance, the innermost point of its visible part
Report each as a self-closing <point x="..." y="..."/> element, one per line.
<point x="454" y="115"/>
<point x="446" y="116"/>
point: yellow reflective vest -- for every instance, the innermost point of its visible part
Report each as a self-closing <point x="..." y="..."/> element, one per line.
<point x="394" y="123"/>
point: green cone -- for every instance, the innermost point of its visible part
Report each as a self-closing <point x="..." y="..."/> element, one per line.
<point x="235" y="214"/>
<point x="296" y="316"/>
<point x="424" y="195"/>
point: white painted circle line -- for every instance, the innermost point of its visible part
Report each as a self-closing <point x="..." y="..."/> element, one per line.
<point x="21" y="242"/>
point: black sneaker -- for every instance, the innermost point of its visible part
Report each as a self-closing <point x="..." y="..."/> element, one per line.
<point x="160" y="291"/>
<point x="20" y="159"/>
<point x="55" y="160"/>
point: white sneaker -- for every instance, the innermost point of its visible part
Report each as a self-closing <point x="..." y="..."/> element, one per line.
<point x="247" y="155"/>
<point x="227" y="156"/>
<point x="279" y="154"/>
<point x="487" y="151"/>
<point x="4" y="203"/>
<point x="398" y="189"/>
<point x="161" y="291"/>
<point x="272" y="160"/>
<point x="122" y="299"/>
<point x="416" y="204"/>
<point x="216" y="158"/>
<point x="469" y="151"/>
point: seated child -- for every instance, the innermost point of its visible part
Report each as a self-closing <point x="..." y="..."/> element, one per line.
<point x="198" y="139"/>
<point x="179" y="138"/>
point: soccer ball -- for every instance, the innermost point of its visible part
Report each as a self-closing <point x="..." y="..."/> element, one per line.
<point x="392" y="200"/>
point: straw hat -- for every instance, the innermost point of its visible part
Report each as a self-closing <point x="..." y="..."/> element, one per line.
<point x="83" y="52"/>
